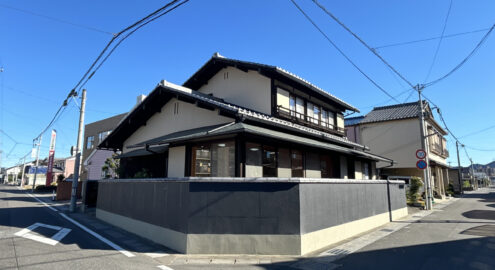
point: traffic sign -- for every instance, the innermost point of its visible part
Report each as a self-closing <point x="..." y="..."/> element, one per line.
<point x="421" y="164"/>
<point x="421" y="154"/>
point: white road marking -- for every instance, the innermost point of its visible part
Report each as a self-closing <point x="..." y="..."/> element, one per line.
<point x="26" y="233"/>
<point x="156" y="254"/>
<point x="163" y="267"/>
<point x="45" y="204"/>
<point x="101" y="238"/>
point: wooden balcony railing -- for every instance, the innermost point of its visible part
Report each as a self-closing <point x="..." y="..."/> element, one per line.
<point x="309" y="121"/>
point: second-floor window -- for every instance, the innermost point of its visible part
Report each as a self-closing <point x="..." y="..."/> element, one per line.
<point x="103" y="135"/>
<point x="89" y="142"/>
<point x="295" y="107"/>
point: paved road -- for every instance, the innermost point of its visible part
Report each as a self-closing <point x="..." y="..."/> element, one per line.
<point x="459" y="236"/>
<point x="77" y="250"/>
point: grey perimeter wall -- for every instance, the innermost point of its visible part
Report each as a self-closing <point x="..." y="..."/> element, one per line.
<point x="240" y="208"/>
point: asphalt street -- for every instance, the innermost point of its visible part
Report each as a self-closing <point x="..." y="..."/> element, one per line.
<point x="36" y="249"/>
<point x="460" y="235"/>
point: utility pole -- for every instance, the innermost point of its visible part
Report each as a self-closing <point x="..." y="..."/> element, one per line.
<point x="37" y="162"/>
<point x="475" y="182"/>
<point x="424" y="145"/>
<point x="80" y="132"/>
<point x="23" y="169"/>
<point x="459" y="171"/>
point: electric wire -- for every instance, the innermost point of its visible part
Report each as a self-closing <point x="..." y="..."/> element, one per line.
<point x="439" y="42"/>
<point x="115" y="37"/>
<point x="429" y="39"/>
<point x="362" y="42"/>
<point x="477" y="132"/>
<point x="140" y="23"/>
<point x="57" y="20"/>
<point x="126" y="36"/>
<point x="341" y="52"/>
<point x="483" y="39"/>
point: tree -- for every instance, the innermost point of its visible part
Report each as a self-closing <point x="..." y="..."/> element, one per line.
<point x="60" y="178"/>
<point x="414" y="186"/>
<point x="111" y="167"/>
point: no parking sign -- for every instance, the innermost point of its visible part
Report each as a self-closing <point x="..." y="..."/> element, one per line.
<point x="421" y="164"/>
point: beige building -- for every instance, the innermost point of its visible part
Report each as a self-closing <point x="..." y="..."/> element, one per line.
<point x="394" y="132"/>
<point x="235" y="118"/>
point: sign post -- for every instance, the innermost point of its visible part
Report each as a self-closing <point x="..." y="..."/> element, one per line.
<point x="51" y="157"/>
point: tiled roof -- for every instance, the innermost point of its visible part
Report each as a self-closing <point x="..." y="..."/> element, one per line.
<point x="280" y="71"/>
<point x="351" y="121"/>
<point x="392" y="112"/>
<point x="257" y="115"/>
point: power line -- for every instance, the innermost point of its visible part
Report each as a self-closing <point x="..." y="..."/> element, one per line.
<point x="429" y="39"/>
<point x="439" y="42"/>
<point x="57" y="20"/>
<point x="130" y="33"/>
<point x="362" y="42"/>
<point x="90" y="70"/>
<point x="115" y="38"/>
<point x="477" y="132"/>
<point x="341" y="52"/>
<point x="483" y="39"/>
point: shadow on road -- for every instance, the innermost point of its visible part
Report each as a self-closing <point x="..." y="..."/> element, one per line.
<point x="476" y="253"/>
<point x="480" y="214"/>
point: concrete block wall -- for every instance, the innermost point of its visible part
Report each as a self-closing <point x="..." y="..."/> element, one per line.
<point x="287" y="216"/>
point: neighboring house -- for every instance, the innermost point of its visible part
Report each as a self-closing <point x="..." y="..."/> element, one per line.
<point x="394" y="132"/>
<point x="94" y="133"/>
<point x="12" y="173"/>
<point x="239" y="119"/>
<point x="40" y="175"/>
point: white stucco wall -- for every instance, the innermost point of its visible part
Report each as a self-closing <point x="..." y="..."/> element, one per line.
<point x="358" y="169"/>
<point x="165" y="122"/>
<point x="247" y="89"/>
<point x="397" y="140"/>
<point x="176" y="161"/>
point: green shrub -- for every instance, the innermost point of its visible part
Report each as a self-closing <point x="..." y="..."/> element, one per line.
<point x="414" y="185"/>
<point x="466" y="184"/>
<point x="144" y="173"/>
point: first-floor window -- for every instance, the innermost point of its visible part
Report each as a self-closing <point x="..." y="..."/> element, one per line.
<point x="297" y="163"/>
<point x="269" y="161"/>
<point x="216" y="159"/>
<point x="366" y="170"/>
<point x="330" y="166"/>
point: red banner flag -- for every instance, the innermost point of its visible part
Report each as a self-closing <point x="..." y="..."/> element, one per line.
<point x="51" y="157"/>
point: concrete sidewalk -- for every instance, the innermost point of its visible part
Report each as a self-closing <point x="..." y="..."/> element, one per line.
<point x="319" y="260"/>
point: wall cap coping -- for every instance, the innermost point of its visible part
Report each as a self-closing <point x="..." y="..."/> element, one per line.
<point x="255" y="180"/>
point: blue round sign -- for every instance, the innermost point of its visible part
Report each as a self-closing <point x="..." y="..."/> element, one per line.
<point x="421" y="164"/>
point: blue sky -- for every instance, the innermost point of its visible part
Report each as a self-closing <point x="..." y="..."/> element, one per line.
<point x="43" y="59"/>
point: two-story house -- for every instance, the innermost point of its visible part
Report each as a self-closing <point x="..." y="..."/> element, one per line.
<point x="93" y="159"/>
<point x="239" y="119"/>
<point x="394" y="132"/>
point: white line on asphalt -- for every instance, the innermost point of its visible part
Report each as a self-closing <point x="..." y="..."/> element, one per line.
<point x="101" y="238"/>
<point x="163" y="267"/>
<point x="156" y="254"/>
<point x="26" y="233"/>
<point x="45" y="204"/>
